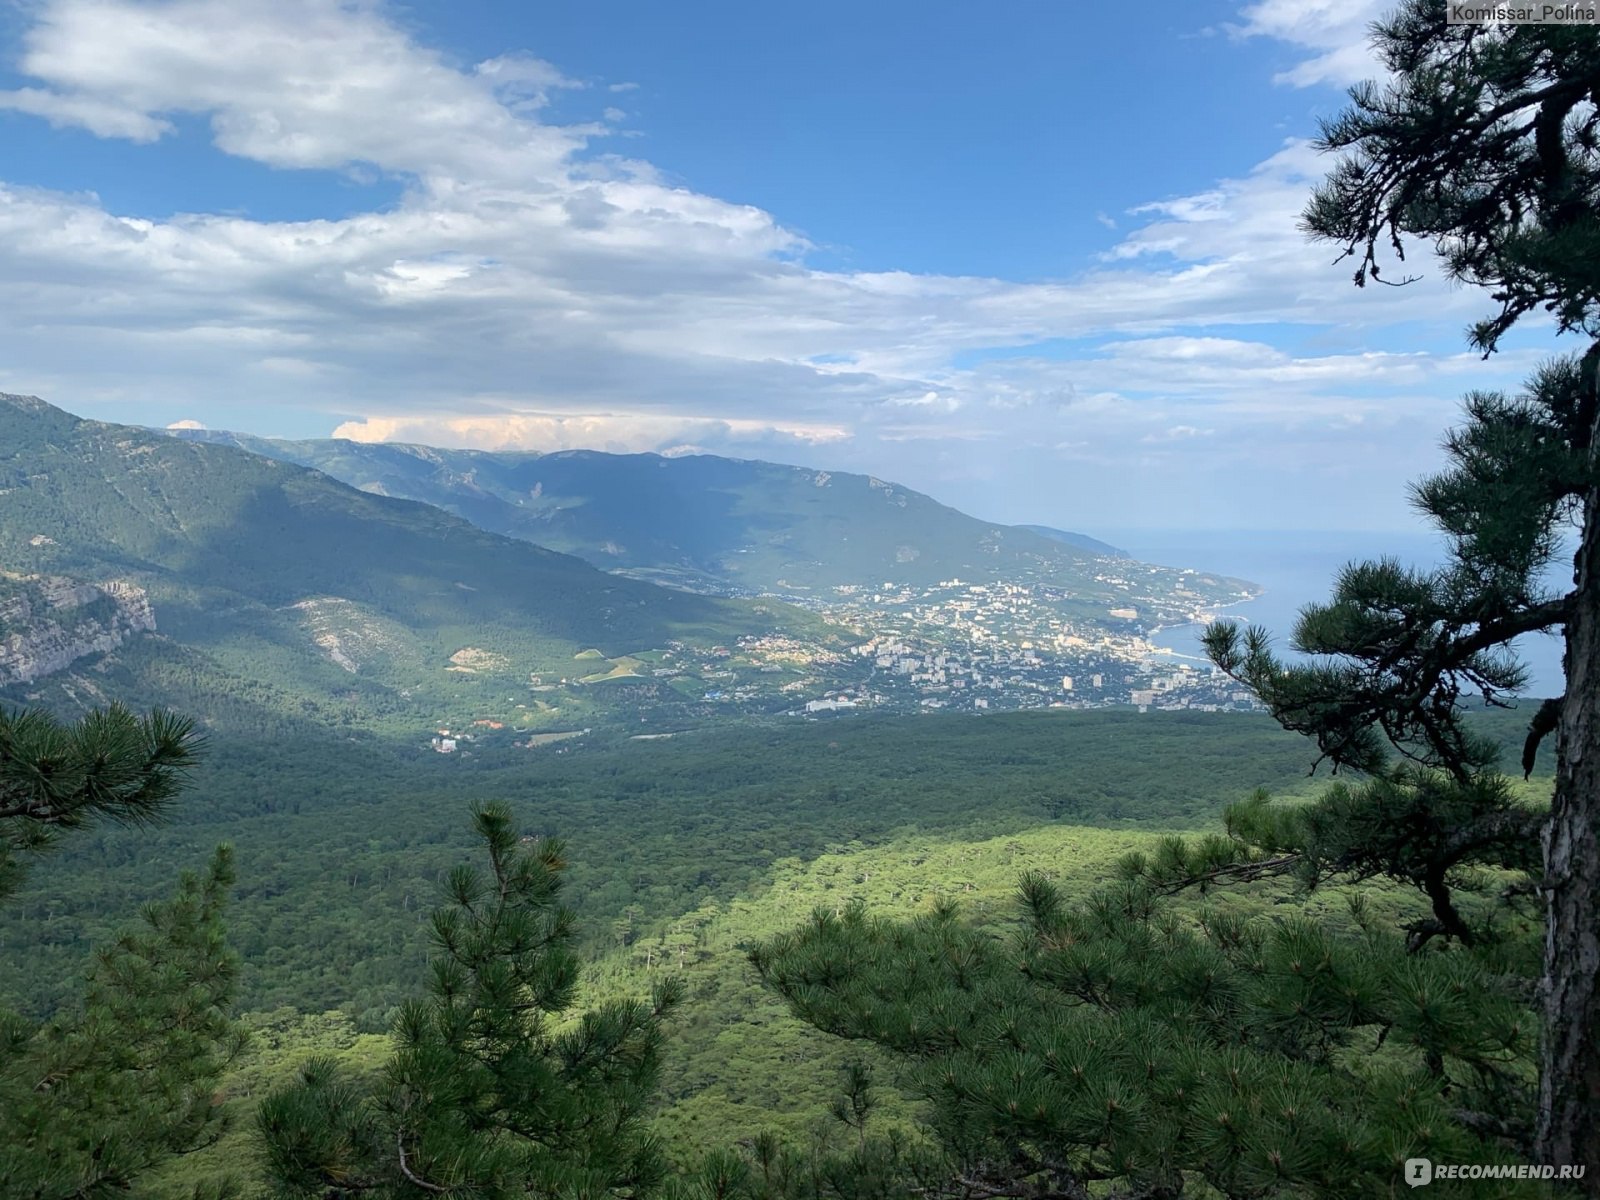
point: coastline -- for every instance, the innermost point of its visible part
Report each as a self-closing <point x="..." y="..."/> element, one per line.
<point x="1212" y="613"/>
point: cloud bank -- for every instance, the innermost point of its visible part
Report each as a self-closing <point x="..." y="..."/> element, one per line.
<point x="533" y="288"/>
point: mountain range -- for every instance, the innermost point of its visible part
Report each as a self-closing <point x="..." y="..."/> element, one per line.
<point x="394" y="588"/>
<point x="283" y="592"/>
<point x="717" y="524"/>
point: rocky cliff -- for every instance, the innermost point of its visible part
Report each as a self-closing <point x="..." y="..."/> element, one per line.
<point x="47" y="623"/>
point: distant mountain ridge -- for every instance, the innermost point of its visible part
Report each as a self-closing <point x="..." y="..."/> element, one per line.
<point x="1081" y="540"/>
<point x="278" y="588"/>
<point x="718" y="524"/>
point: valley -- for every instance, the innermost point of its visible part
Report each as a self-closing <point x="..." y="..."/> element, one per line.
<point x="348" y="607"/>
<point x="722" y="741"/>
<point x="944" y="611"/>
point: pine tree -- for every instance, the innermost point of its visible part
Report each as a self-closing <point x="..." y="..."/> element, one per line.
<point x="1486" y="145"/>
<point x="1126" y="1047"/>
<point x="93" y="1099"/>
<point x="890" y="1166"/>
<point x="487" y="1093"/>
<point x="110" y="766"/>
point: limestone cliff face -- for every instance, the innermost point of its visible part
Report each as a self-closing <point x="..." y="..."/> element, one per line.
<point x="47" y="623"/>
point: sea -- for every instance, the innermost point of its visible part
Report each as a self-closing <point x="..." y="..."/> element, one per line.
<point x="1298" y="568"/>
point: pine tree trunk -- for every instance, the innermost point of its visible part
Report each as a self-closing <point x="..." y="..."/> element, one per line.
<point x="1569" y="1089"/>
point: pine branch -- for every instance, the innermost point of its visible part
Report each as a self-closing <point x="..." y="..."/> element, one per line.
<point x="1533" y="619"/>
<point x="1511" y="826"/>
<point x="1239" y="872"/>
<point x="405" y="1167"/>
<point x="1544" y="722"/>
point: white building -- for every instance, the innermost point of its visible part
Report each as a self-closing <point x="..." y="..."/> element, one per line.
<point x="816" y="706"/>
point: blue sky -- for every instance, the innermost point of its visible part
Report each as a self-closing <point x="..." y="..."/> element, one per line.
<point x="940" y="138"/>
<point x="1039" y="260"/>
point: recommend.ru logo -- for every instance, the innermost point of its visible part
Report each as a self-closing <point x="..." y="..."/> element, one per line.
<point x="1421" y="1171"/>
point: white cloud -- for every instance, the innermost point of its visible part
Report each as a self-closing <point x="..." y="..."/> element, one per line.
<point x="1335" y="32"/>
<point x="186" y="423"/>
<point x="1178" y="433"/>
<point x="623" y="433"/>
<point x="99" y="117"/>
<point x="524" y="77"/>
<point x="297" y="83"/>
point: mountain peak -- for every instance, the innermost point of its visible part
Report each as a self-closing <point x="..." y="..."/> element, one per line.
<point x="25" y="418"/>
<point x="27" y="403"/>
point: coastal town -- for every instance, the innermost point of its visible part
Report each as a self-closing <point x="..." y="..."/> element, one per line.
<point x="953" y="646"/>
<point x="1005" y="646"/>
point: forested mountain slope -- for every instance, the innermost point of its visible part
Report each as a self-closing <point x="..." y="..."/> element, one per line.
<point x="726" y="524"/>
<point x="277" y="586"/>
<point x="1081" y="540"/>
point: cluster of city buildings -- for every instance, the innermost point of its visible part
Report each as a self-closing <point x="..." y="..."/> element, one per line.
<point x="952" y="645"/>
<point x="997" y="646"/>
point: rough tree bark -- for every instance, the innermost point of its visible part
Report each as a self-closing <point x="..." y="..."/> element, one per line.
<point x="1569" y="1099"/>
